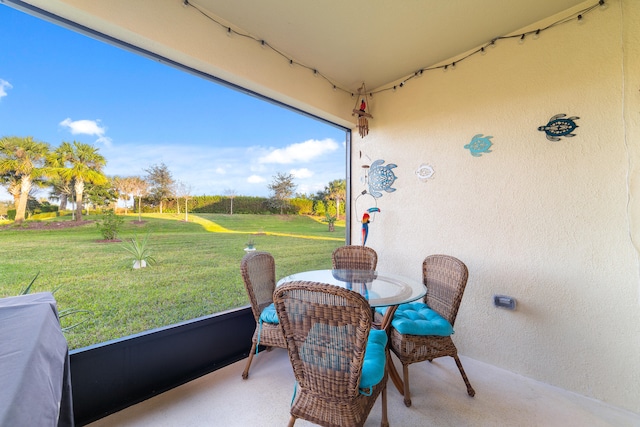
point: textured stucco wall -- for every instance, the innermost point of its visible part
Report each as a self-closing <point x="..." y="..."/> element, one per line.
<point x="553" y="224"/>
<point x="549" y="223"/>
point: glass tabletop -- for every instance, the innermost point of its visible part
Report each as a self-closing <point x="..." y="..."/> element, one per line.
<point x="380" y="289"/>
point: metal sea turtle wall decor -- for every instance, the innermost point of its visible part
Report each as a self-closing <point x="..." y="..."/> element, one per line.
<point x="425" y="172"/>
<point x="479" y="145"/>
<point x="381" y="178"/>
<point x="558" y="126"/>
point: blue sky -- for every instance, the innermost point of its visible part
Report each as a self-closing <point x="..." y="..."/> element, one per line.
<point x="57" y="85"/>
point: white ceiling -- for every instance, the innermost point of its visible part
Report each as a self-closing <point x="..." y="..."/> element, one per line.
<point x="377" y="41"/>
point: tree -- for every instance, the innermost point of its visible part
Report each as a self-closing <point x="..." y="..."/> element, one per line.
<point x="160" y="183"/>
<point x="81" y="163"/>
<point x="183" y="190"/>
<point x="61" y="191"/>
<point x="336" y="190"/>
<point x="22" y="162"/>
<point x="125" y="187"/>
<point x="282" y="187"/>
<point x="231" y="194"/>
<point x="140" y="188"/>
<point x="101" y="195"/>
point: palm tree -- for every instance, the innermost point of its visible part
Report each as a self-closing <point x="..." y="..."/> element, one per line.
<point x="81" y="163"/>
<point x="61" y="191"/>
<point x="22" y="162"/>
<point x="337" y="190"/>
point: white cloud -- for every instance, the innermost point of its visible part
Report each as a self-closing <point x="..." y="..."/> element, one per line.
<point x="301" y="173"/>
<point x="300" y="152"/>
<point x="4" y="85"/>
<point x="87" y="127"/>
<point x="221" y="171"/>
<point x="255" y="179"/>
<point x="104" y="140"/>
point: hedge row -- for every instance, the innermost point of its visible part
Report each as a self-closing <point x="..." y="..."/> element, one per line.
<point x="248" y="205"/>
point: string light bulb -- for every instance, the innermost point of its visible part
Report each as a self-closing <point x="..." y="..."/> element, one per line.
<point x="536" y="35"/>
<point x="229" y="31"/>
<point x="522" y="39"/>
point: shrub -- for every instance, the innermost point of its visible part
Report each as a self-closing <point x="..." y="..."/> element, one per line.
<point x="140" y="251"/>
<point x="110" y="225"/>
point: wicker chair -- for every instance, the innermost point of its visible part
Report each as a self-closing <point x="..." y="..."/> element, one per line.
<point x="259" y="275"/>
<point x="327" y="328"/>
<point x="354" y="258"/>
<point x="445" y="278"/>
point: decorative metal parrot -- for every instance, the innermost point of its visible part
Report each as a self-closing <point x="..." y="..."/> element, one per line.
<point x="365" y="224"/>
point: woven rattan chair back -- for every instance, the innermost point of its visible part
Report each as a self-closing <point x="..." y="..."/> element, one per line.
<point x="445" y="278"/>
<point x="354" y="257"/>
<point x="258" y="271"/>
<point x="326" y="329"/>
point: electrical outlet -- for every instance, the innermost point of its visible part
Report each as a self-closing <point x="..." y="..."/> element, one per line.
<point x="504" y="301"/>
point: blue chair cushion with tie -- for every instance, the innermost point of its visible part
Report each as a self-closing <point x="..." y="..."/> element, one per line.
<point x="375" y="357"/>
<point x="417" y="318"/>
<point x="269" y="315"/>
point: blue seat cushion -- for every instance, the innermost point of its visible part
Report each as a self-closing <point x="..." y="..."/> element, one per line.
<point x="417" y="318"/>
<point x="375" y="358"/>
<point x="269" y="315"/>
<point x="314" y="351"/>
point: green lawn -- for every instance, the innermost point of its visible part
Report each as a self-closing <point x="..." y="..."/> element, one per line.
<point x="197" y="271"/>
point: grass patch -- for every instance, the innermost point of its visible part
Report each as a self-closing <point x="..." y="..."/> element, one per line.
<point x="197" y="270"/>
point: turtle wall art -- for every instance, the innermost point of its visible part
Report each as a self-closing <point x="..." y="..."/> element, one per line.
<point x="381" y="178"/>
<point x="425" y="172"/>
<point x="558" y="126"/>
<point x="479" y="145"/>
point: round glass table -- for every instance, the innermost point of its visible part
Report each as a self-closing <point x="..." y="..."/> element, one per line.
<point x="380" y="289"/>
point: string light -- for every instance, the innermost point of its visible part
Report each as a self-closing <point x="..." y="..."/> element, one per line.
<point x="230" y="31"/>
<point x="578" y="16"/>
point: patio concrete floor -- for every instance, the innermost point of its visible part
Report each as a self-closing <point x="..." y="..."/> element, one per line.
<point x="439" y="398"/>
